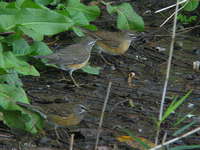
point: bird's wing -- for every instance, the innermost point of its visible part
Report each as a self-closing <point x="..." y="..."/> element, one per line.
<point x="110" y="43"/>
<point x="112" y="39"/>
<point x="71" y="55"/>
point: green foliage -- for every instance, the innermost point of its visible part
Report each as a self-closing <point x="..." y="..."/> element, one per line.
<point x="25" y="19"/>
<point x="127" y="18"/>
<point x="174" y="105"/>
<point x="191" y="5"/>
<point x="186" y="19"/>
<point x="182" y="129"/>
<point x="13" y="115"/>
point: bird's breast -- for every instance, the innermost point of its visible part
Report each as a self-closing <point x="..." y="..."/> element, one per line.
<point x="121" y="49"/>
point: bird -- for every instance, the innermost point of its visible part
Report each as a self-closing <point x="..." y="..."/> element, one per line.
<point x="72" y="57"/>
<point x="113" y="43"/>
<point x="68" y="117"/>
<point x="58" y="114"/>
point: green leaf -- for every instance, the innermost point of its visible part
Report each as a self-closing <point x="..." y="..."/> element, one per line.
<point x="9" y="94"/>
<point x="7" y="22"/>
<point x="32" y="33"/>
<point x="30" y="4"/>
<point x="91" y="70"/>
<point x="78" y="31"/>
<point x="191" y="5"/>
<point x="13" y="115"/>
<point x="21" y="47"/>
<point x="182" y="129"/>
<point x="127" y="18"/>
<point x="3" y="4"/>
<point x="2" y="64"/>
<point x="90" y="12"/>
<point x="18" y="3"/>
<point x="12" y="62"/>
<point x="41" y="21"/>
<point x="45" y="22"/>
<point x="174" y="105"/>
<point x="11" y="78"/>
<point x="40" y="48"/>
<point x="80" y="19"/>
<point x="44" y="2"/>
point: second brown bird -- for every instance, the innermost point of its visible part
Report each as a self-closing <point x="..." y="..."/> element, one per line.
<point x="114" y="43"/>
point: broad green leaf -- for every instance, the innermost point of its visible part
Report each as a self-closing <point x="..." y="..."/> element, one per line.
<point x="13" y="115"/>
<point x="9" y="94"/>
<point x="3" y="4"/>
<point x="43" y="21"/>
<point x="78" y="31"/>
<point x="21" y="47"/>
<point x="80" y="19"/>
<point x="2" y="71"/>
<point x="44" y="2"/>
<point x="127" y="18"/>
<point x="31" y="33"/>
<point x="191" y="5"/>
<point x="30" y="122"/>
<point x="90" y="12"/>
<point x="12" y="62"/>
<point x="2" y="65"/>
<point x="91" y="70"/>
<point x="7" y="22"/>
<point x="18" y="3"/>
<point x="40" y="48"/>
<point x="11" y="77"/>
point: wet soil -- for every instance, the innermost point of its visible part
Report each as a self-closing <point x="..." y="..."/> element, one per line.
<point x="133" y="103"/>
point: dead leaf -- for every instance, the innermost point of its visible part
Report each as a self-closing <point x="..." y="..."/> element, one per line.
<point x="134" y="143"/>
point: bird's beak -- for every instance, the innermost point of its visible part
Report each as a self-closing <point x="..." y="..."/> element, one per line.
<point x="84" y="108"/>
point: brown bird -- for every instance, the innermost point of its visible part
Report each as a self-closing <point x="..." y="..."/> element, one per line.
<point x="59" y="114"/>
<point x="72" y="57"/>
<point x="113" y="43"/>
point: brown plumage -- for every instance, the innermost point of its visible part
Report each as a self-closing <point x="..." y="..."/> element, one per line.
<point x="72" y="57"/>
<point x="113" y="43"/>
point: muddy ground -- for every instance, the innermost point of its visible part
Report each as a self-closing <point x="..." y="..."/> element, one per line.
<point x="133" y="102"/>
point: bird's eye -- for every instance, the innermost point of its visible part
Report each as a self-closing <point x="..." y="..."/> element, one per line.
<point x="82" y="109"/>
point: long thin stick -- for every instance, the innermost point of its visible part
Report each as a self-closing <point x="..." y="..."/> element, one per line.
<point x="177" y="138"/>
<point x="168" y="68"/>
<point x="168" y="7"/>
<point x="71" y="142"/>
<point x="166" y="20"/>
<point x="102" y="114"/>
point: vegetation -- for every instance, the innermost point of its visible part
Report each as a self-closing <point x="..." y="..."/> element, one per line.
<point x="190" y="6"/>
<point x="24" y="19"/>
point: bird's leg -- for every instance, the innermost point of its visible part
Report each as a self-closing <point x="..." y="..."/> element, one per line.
<point x="75" y="83"/>
<point x="63" y="76"/>
<point x="56" y="131"/>
<point x="107" y="62"/>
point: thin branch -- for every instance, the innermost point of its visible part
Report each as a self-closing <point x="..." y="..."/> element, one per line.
<point x="176" y="139"/>
<point x="168" y="7"/>
<point x="71" y="142"/>
<point x="173" y="15"/>
<point x="168" y="68"/>
<point x="102" y="114"/>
